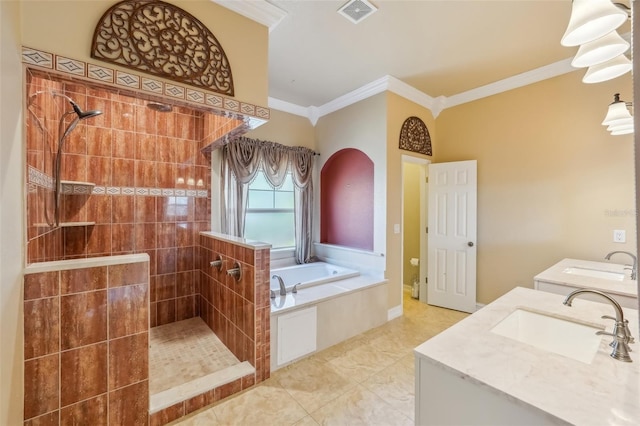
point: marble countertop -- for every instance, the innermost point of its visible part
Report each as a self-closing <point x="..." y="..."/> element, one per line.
<point x="605" y="392"/>
<point x="555" y="274"/>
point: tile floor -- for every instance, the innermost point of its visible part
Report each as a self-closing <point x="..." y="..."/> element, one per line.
<point x="366" y="380"/>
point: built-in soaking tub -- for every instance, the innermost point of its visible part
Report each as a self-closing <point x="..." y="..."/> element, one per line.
<point x="332" y="304"/>
<point x="309" y="275"/>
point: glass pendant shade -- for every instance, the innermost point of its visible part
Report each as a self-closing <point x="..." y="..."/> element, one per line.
<point x="620" y="127"/>
<point x="608" y="70"/>
<point x="590" y="20"/>
<point x="617" y="114"/>
<point x="622" y="132"/>
<point x="600" y="50"/>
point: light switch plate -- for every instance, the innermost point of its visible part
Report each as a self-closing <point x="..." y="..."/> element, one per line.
<point x="396" y="228"/>
<point x="619" y="236"/>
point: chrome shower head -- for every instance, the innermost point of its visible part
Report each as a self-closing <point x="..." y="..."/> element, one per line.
<point x="83" y="114"/>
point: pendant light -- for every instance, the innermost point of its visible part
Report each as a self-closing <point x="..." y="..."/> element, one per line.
<point x="619" y="120"/>
<point x="608" y="70"/>
<point x="600" y="50"/>
<point x="590" y="20"/>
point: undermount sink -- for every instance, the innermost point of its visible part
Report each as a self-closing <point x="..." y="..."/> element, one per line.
<point x="595" y="273"/>
<point x="560" y="336"/>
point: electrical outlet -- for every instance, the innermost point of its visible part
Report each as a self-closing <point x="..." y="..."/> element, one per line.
<point x="396" y="228"/>
<point x="619" y="236"/>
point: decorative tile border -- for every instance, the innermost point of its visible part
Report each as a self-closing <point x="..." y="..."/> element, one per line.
<point x="254" y="115"/>
<point x="152" y="192"/>
<point x="38" y="179"/>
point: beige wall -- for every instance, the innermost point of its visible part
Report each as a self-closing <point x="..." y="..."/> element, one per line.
<point x="411" y="220"/>
<point x="361" y="126"/>
<point x="287" y="129"/>
<point x="398" y="110"/>
<point x="66" y="28"/>
<point x="11" y="220"/>
<point x="552" y="183"/>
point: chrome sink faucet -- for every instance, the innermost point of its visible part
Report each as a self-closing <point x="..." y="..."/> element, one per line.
<point x="283" y="289"/>
<point x="621" y="334"/>
<point x="634" y="268"/>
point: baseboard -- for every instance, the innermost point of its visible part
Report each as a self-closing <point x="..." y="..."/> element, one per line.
<point x="394" y="312"/>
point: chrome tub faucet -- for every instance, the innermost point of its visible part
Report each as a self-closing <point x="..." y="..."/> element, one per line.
<point x="283" y="289"/>
<point x="621" y="334"/>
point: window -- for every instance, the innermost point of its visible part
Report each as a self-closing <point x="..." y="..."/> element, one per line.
<point x="269" y="216"/>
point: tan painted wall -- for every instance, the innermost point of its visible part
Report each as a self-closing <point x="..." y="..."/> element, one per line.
<point x="287" y="129"/>
<point x="398" y="110"/>
<point x="361" y="126"/>
<point x="11" y="218"/>
<point x="411" y="220"/>
<point x="552" y="183"/>
<point x="66" y="28"/>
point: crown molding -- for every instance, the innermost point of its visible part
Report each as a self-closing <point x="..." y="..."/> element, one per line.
<point x="435" y="105"/>
<point x="510" y="83"/>
<point x="260" y="11"/>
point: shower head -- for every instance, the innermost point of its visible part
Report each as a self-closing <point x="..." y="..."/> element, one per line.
<point x="83" y="114"/>
<point x="157" y="106"/>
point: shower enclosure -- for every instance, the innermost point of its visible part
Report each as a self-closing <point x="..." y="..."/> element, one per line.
<point x="127" y="174"/>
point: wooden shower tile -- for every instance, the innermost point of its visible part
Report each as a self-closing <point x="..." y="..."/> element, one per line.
<point x="128" y="360"/>
<point x="83" y="371"/>
<point x="86" y="279"/>
<point x="92" y="411"/>
<point x="83" y="317"/>
<point x="41" y="327"/>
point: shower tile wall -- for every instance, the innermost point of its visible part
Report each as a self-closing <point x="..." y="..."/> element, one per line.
<point x="86" y="346"/>
<point x="152" y="186"/>
<point x="238" y="312"/>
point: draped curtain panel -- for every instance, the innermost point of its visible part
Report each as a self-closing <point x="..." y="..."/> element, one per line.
<point x="241" y="161"/>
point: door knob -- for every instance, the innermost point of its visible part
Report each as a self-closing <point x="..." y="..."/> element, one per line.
<point x="470" y="244"/>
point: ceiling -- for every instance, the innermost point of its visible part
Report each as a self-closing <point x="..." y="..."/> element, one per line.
<point x="439" y="47"/>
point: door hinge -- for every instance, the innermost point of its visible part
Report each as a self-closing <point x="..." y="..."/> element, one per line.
<point x="426" y="280"/>
<point x="426" y="179"/>
<point x="427" y="229"/>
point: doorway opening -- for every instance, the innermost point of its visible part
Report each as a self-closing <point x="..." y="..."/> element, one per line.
<point x="414" y="227"/>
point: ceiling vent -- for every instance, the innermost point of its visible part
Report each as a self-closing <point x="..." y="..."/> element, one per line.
<point x="357" y="10"/>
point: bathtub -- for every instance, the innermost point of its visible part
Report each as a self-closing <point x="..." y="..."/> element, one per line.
<point x="309" y="275"/>
<point x="332" y="304"/>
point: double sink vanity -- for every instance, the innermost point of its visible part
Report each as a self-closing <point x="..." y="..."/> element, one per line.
<point x="530" y="359"/>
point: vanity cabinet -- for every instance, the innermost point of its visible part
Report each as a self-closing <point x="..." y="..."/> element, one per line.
<point x="625" y="301"/>
<point x="572" y="274"/>
<point x="472" y="375"/>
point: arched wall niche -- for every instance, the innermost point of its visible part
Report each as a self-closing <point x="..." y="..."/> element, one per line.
<point x="346" y="200"/>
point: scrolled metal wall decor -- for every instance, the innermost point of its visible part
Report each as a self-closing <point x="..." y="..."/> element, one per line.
<point x="161" y="39"/>
<point x="414" y="136"/>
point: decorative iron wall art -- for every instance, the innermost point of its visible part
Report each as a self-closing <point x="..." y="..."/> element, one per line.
<point x="161" y="39"/>
<point x="414" y="136"/>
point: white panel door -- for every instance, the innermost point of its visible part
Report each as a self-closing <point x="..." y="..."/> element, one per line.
<point x="452" y="235"/>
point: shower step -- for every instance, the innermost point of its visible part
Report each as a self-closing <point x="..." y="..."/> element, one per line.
<point x="185" y="391"/>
